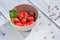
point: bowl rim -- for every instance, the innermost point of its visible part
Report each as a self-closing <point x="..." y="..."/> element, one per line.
<point x="23" y="26"/>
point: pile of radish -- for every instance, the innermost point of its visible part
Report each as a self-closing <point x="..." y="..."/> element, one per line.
<point x="23" y="18"/>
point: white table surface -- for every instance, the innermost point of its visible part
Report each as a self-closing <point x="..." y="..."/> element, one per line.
<point x="11" y="4"/>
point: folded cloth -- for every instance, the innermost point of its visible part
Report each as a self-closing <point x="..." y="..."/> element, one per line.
<point x="2" y="20"/>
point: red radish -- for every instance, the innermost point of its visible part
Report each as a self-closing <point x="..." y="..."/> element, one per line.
<point x="25" y="24"/>
<point x="18" y="24"/>
<point x="31" y="22"/>
<point x="25" y="13"/>
<point x="23" y="21"/>
<point x="16" y="20"/>
<point x="20" y="15"/>
<point x="30" y="18"/>
<point x="31" y="14"/>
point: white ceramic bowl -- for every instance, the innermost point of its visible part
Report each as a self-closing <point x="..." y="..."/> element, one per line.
<point x="26" y="7"/>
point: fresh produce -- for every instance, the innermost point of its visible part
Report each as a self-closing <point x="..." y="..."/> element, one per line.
<point x="23" y="18"/>
<point x="13" y="13"/>
<point x="32" y="14"/>
<point x="30" y="18"/>
<point x="16" y="20"/>
<point x="18" y="24"/>
<point x="23" y="21"/>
